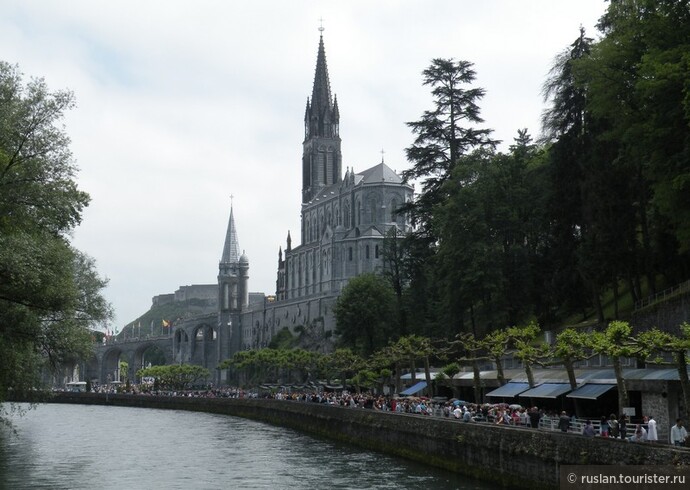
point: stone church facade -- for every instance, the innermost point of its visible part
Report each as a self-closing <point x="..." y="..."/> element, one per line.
<point x="344" y="219"/>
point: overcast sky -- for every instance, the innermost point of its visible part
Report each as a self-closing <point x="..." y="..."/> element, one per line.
<point x="182" y="103"/>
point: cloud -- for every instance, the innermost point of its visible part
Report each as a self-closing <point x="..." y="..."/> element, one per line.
<point x="181" y="104"/>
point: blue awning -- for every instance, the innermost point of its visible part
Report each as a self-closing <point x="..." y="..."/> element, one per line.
<point x="509" y="389"/>
<point x="414" y="389"/>
<point x="547" y="390"/>
<point x="590" y="391"/>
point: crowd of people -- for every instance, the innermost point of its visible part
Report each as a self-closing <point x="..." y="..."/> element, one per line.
<point x="499" y="413"/>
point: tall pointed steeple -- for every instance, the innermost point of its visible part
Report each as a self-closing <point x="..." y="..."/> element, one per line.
<point x="231" y="249"/>
<point x="321" y="99"/>
<point x="321" y="157"/>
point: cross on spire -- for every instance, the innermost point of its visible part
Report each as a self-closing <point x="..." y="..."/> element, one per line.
<point x="382" y="153"/>
<point x="321" y="28"/>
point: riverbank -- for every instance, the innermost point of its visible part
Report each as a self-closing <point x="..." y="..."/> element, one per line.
<point x="515" y="457"/>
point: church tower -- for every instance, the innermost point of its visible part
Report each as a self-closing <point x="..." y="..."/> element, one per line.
<point x="321" y="157"/>
<point x="233" y="293"/>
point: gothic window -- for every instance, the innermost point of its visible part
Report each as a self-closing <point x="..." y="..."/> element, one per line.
<point x="394" y="207"/>
<point x="226" y="296"/>
<point x="347" y="216"/>
<point x="358" y="219"/>
<point x="336" y="221"/>
<point x="376" y="251"/>
<point x="366" y="252"/>
<point x="349" y="253"/>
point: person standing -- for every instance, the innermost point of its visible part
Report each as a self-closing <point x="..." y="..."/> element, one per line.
<point x="534" y="417"/>
<point x="623" y="425"/>
<point x="604" y="427"/>
<point x="678" y="433"/>
<point x="588" y="430"/>
<point x="613" y="426"/>
<point x="652" y="435"/>
<point x="564" y="422"/>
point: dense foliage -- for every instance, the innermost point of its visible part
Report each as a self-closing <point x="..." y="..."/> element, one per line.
<point x="175" y="376"/>
<point x="50" y="293"/>
<point x="579" y="225"/>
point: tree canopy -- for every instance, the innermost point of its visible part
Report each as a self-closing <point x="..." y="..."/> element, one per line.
<point x="364" y="314"/>
<point x="50" y="293"/>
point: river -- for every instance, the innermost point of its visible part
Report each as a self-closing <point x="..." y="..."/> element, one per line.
<point x="56" y="446"/>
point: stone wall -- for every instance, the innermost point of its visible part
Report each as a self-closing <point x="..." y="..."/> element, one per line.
<point x="507" y="455"/>
<point x="666" y="315"/>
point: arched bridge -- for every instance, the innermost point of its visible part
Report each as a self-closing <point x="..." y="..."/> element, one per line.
<point x="194" y="340"/>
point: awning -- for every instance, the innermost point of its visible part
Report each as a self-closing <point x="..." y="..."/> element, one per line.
<point x="422" y="375"/>
<point x="547" y="390"/>
<point x="414" y="389"/>
<point x="590" y="391"/>
<point x="509" y="389"/>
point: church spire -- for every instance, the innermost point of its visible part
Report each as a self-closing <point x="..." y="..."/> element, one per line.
<point x="231" y="249"/>
<point x="321" y="156"/>
<point x="321" y="99"/>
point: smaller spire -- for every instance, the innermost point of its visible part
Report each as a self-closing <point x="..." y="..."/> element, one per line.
<point x="231" y="248"/>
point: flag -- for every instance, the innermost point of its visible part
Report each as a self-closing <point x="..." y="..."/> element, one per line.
<point x="166" y="323"/>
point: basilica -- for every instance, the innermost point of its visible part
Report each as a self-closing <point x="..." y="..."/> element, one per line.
<point x="344" y="219"/>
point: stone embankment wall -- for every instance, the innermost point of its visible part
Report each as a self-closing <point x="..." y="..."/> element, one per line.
<point x="515" y="457"/>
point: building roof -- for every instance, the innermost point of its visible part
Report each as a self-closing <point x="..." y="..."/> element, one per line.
<point x="509" y="390"/>
<point x="590" y="391"/>
<point x="547" y="390"/>
<point x="377" y="174"/>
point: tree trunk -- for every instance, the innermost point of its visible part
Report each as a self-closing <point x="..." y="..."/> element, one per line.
<point x="398" y="380"/>
<point x="570" y="369"/>
<point x="530" y="374"/>
<point x="615" y="298"/>
<point x="427" y="373"/>
<point x="474" y="324"/>
<point x="622" y="390"/>
<point x="683" y="377"/>
<point x="597" y="303"/>
<point x="499" y="372"/>
<point x="644" y="226"/>
<point x="477" y="381"/>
